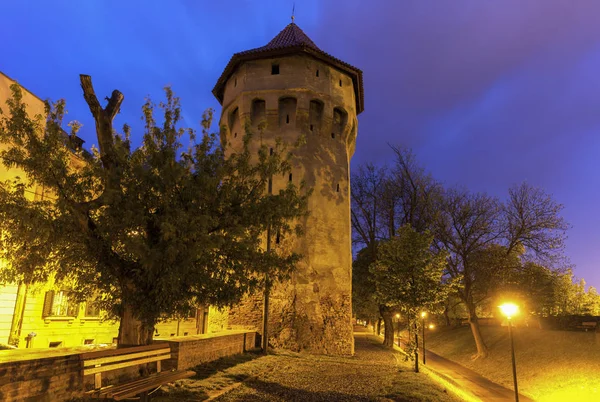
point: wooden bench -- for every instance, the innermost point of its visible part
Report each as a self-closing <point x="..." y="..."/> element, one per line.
<point x="587" y="325"/>
<point x="96" y="363"/>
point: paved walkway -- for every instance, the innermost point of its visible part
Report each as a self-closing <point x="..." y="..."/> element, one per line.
<point x="469" y="380"/>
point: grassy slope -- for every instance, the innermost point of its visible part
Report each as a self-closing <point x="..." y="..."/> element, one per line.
<point x="551" y="365"/>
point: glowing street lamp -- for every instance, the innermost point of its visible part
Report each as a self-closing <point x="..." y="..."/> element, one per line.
<point x="423" y="315"/>
<point x="510" y="310"/>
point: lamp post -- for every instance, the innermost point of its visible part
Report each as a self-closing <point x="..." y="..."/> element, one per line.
<point x="423" y="315"/>
<point x="510" y="310"/>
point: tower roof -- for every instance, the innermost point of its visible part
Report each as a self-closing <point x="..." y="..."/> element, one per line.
<point x="291" y="40"/>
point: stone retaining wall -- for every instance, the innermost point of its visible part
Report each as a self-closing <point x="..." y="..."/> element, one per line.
<point x="55" y="375"/>
<point x="190" y="351"/>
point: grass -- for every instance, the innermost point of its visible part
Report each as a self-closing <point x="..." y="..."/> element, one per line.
<point x="551" y="365"/>
<point x="373" y="374"/>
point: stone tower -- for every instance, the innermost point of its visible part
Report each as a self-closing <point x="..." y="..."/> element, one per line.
<point x="299" y="90"/>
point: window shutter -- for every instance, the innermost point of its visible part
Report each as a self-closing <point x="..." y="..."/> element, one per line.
<point x="48" y="299"/>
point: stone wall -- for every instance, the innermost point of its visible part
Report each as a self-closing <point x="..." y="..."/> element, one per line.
<point x="313" y="310"/>
<point x="190" y="351"/>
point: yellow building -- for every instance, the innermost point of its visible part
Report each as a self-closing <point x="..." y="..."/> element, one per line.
<point x="42" y="315"/>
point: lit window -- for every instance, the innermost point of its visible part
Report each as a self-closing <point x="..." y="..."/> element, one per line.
<point x="57" y="304"/>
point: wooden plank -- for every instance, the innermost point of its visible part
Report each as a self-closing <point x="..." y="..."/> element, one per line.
<point x="102" y="369"/>
<point x="123" y="351"/>
<point x="110" y="359"/>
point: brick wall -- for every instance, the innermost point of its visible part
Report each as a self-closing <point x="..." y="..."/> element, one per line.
<point x="55" y="375"/>
<point x="191" y="351"/>
<point x="45" y="379"/>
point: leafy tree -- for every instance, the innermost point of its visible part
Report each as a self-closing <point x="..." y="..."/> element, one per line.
<point x="157" y="229"/>
<point x="384" y="199"/>
<point x="364" y="303"/>
<point x="408" y="274"/>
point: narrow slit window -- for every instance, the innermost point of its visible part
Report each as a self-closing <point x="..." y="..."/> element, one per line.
<point x="290" y="177"/>
<point x="270" y="151"/>
<point x="332" y="135"/>
<point x="277" y="238"/>
<point x="235" y="82"/>
<point x="337" y="189"/>
<point x="287" y="119"/>
<point x="340" y="82"/>
<point x="274" y="69"/>
<point x="234" y="135"/>
<point x="311" y="127"/>
<point x="270" y="185"/>
<point x="317" y="73"/>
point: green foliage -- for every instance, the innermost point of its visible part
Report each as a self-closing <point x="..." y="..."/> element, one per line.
<point x="160" y="228"/>
<point x="364" y="302"/>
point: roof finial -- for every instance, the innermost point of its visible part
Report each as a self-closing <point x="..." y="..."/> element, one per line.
<point x="293" y="12"/>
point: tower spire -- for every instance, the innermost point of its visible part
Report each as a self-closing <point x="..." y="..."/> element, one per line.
<point x="293" y="12"/>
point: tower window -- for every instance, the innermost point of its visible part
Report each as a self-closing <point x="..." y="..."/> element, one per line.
<point x="340" y="82"/>
<point x="277" y="238"/>
<point x="290" y="177"/>
<point x="270" y="151"/>
<point x="287" y="119"/>
<point x="337" y="188"/>
<point x="235" y="82"/>
<point x="317" y="73"/>
<point x="332" y="135"/>
<point x="311" y="127"/>
<point x="234" y="135"/>
<point x="274" y="69"/>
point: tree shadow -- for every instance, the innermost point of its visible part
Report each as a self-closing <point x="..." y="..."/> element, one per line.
<point x="206" y="370"/>
<point x="285" y="393"/>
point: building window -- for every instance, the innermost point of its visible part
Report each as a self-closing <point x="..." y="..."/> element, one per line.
<point x="287" y="111"/>
<point x="92" y="309"/>
<point x="340" y="82"/>
<point x="290" y="178"/>
<point x="317" y="73"/>
<point x="55" y="344"/>
<point x="258" y="111"/>
<point x="234" y="135"/>
<point x="59" y="304"/>
<point x="287" y="119"/>
<point x="311" y="127"/>
<point x="338" y="188"/>
<point x="274" y="69"/>
<point x="88" y="341"/>
<point x="332" y="135"/>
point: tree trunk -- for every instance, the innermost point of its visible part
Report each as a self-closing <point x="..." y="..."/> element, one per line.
<point x="132" y="331"/>
<point x="379" y="326"/>
<point x="388" y="338"/>
<point x="482" y="349"/>
<point x="447" y="315"/>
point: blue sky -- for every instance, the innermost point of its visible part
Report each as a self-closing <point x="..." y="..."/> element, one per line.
<point x="487" y="94"/>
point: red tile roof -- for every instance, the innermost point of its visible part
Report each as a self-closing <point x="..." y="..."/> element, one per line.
<point x="291" y="40"/>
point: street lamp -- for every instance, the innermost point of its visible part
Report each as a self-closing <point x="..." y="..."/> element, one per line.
<point x="423" y="315"/>
<point x="510" y="310"/>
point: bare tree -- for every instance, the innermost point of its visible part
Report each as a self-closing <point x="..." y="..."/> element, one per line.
<point x="485" y="238"/>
